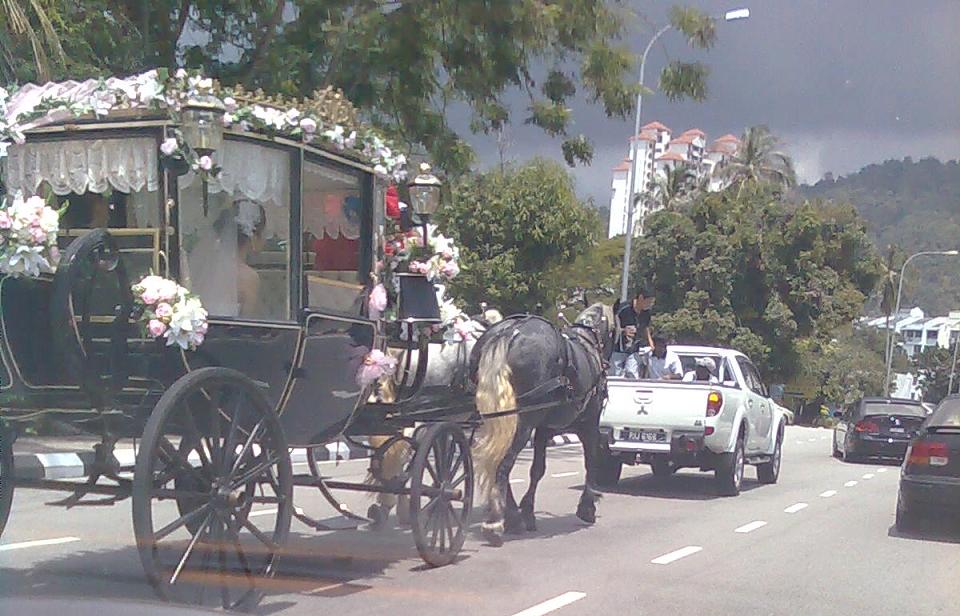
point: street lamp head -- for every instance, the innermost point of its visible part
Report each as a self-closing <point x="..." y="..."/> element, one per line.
<point x="425" y="191"/>
<point x="736" y="14"/>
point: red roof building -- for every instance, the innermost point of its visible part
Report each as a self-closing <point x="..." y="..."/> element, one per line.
<point x="656" y="126"/>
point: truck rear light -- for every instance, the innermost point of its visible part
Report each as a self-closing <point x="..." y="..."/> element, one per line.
<point x="925" y="453"/>
<point x="708" y="430"/>
<point x="869" y="427"/>
<point x="714" y="402"/>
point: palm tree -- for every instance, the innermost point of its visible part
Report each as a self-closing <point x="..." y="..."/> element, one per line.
<point x="16" y="25"/>
<point x="757" y="161"/>
<point x="679" y="184"/>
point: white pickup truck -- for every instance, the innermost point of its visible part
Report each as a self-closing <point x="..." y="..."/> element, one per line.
<point x="717" y="427"/>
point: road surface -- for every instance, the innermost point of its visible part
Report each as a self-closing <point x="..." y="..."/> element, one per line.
<point x="820" y="542"/>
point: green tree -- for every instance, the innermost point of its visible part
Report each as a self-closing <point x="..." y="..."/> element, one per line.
<point x="842" y="369"/>
<point x="25" y="24"/>
<point x="933" y="368"/>
<point x="404" y="64"/>
<point x="678" y="184"/>
<point x="744" y="268"/>
<point x="757" y="161"/>
<point x="511" y="227"/>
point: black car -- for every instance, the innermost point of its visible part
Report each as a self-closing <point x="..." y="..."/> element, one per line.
<point x="877" y="428"/>
<point x="930" y="477"/>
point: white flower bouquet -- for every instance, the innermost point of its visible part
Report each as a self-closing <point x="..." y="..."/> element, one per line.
<point x="170" y="311"/>
<point x="28" y="237"/>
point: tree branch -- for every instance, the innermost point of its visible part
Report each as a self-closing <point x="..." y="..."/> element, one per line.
<point x="269" y="31"/>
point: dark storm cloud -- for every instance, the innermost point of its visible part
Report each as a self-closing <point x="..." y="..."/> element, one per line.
<point x="843" y="82"/>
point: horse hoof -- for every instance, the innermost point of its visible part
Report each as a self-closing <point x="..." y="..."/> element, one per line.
<point x="378" y="517"/>
<point x="513" y="525"/>
<point x="492" y="534"/>
<point x="530" y="523"/>
<point x="587" y="514"/>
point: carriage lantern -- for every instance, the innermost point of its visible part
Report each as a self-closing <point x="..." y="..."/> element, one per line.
<point x="425" y="192"/>
<point x="203" y="130"/>
<point x="203" y="124"/>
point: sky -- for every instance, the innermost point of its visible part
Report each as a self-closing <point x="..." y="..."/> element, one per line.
<point x="843" y="83"/>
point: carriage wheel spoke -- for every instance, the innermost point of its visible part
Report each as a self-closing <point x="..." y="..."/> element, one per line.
<point x="205" y="461"/>
<point x="458" y="463"/>
<point x="166" y="448"/>
<point x="189" y="550"/>
<point x="216" y="454"/>
<point x="430" y="469"/>
<point x="253" y="473"/>
<point x="164" y="532"/>
<point x="241" y="555"/>
<point x="259" y="534"/>
<point x="456" y="518"/>
<point x="246" y="446"/>
<point x="457" y="482"/>
<point x="230" y="445"/>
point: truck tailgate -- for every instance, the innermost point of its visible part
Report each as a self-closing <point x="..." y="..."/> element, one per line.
<point x="655" y="404"/>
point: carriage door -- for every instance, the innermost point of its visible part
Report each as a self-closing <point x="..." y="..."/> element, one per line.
<point x="336" y="248"/>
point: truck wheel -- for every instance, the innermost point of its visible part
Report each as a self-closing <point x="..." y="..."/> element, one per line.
<point x="608" y="469"/>
<point x="661" y="466"/>
<point x="769" y="472"/>
<point x="729" y="472"/>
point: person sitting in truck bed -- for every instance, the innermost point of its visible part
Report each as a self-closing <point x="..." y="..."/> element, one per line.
<point x="703" y="372"/>
<point x="657" y="363"/>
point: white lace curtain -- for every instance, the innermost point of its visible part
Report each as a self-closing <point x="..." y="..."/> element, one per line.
<point x="127" y="164"/>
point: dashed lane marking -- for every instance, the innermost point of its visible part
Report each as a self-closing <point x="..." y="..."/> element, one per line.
<point x="828" y="493"/>
<point x="36" y="544"/>
<point x="752" y="526"/>
<point x="799" y="442"/>
<point x="850" y="484"/>
<point x="812" y="439"/>
<point x="881" y="470"/>
<point x="666" y="559"/>
<point x="570" y="474"/>
<point x="552" y="604"/>
<point x="517" y="480"/>
<point x="795" y="508"/>
<point x="253" y="514"/>
<point x="868" y="475"/>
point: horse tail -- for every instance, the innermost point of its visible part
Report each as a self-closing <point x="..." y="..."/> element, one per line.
<point x="495" y="393"/>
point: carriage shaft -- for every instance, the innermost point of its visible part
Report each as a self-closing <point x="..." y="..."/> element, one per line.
<point x="308" y="481"/>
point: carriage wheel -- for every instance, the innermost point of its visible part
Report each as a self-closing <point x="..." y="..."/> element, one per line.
<point x="441" y="493"/>
<point x="6" y="475"/>
<point x="212" y="450"/>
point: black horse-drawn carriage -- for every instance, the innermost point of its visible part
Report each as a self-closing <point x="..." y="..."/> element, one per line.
<point x="271" y="212"/>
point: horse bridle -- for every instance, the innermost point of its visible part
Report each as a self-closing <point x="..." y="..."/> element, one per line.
<point x="596" y="342"/>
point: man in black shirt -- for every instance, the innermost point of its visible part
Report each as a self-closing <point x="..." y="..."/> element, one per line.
<point x="635" y="317"/>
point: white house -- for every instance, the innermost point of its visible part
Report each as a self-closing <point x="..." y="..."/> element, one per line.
<point x="658" y="152"/>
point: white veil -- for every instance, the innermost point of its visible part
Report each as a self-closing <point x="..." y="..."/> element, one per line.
<point x="212" y="257"/>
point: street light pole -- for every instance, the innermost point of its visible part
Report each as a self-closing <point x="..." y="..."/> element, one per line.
<point x="896" y="311"/>
<point x="632" y="174"/>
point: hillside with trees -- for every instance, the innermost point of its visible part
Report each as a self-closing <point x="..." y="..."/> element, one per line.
<point x="911" y="206"/>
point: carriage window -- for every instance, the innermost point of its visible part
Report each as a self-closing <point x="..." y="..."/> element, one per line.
<point x="111" y="183"/>
<point x="235" y="255"/>
<point x="332" y="212"/>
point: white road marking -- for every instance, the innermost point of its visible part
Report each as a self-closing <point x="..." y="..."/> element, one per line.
<point x="752" y="526"/>
<point x="799" y="442"/>
<point x="517" y="480"/>
<point x="570" y="474"/>
<point x="666" y="559"/>
<point x="261" y="512"/>
<point x="812" y="440"/>
<point x="324" y="587"/>
<point x="552" y="604"/>
<point x="795" y="508"/>
<point x="850" y="484"/>
<point x="868" y="475"/>
<point x="828" y="493"/>
<point x="37" y="544"/>
<point x="881" y="470"/>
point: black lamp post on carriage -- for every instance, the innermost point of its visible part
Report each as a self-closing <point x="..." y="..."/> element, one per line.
<point x="424" y="197"/>
<point x="203" y="130"/>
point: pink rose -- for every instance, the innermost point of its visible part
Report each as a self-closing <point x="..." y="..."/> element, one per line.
<point x="156" y="328"/>
<point x="197" y="339"/>
<point x="38" y="235"/>
<point x="202" y="329"/>
<point x="150" y="296"/>
<point x="5" y="221"/>
<point x="308" y="125"/>
<point x="163" y="310"/>
<point x="206" y="163"/>
<point x="450" y="269"/>
<point x="169" y="146"/>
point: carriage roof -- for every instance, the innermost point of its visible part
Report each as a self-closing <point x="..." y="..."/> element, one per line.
<point x="325" y="122"/>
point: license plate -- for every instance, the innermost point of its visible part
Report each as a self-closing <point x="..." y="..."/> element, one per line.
<point x="644" y="436"/>
<point x="897" y="430"/>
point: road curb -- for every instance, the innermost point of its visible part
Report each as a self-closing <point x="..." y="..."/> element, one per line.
<point x="77" y="465"/>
